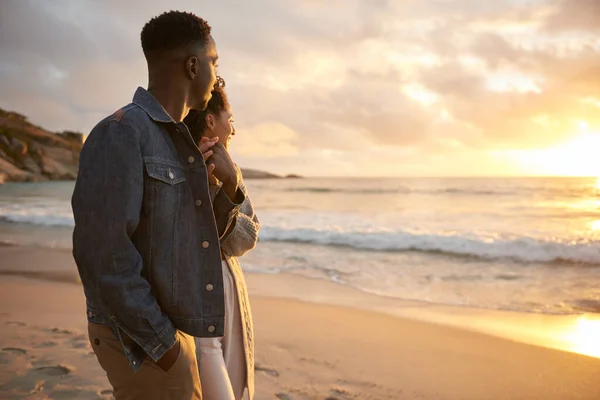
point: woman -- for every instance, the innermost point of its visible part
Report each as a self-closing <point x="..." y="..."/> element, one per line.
<point x="226" y="364"/>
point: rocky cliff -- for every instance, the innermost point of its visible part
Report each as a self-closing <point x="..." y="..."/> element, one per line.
<point x="29" y="153"/>
<point x="248" y="173"/>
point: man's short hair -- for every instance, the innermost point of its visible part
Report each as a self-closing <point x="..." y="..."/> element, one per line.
<point x="173" y="30"/>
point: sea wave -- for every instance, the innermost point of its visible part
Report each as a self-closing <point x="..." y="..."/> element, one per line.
<point x="523" y="249"/>
<point x="42" y="214"/>
<point x="517" y="248"/>
<point x="401" y="190"/>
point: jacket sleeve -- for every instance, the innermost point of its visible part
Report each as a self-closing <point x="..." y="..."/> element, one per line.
<point x="226" y="211"/>
<point x="243" y="234"/>
<point x="107" y="202"/>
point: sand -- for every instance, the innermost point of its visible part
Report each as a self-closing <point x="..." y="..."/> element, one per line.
<point x="336" y="343"/>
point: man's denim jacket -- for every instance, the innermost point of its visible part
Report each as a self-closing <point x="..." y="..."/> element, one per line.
<point x="147" y="239"/>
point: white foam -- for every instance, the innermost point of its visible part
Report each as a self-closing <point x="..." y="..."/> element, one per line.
<point x="523" y="249"/>
<point x="47" y="213"/>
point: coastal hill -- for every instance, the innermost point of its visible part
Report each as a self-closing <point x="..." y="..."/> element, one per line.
<point x="29" y="153"/>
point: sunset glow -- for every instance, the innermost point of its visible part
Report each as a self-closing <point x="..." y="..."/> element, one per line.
<point x="507" y="88"/>
<point x="583" y="337"/>
<point x="577" y="156"/>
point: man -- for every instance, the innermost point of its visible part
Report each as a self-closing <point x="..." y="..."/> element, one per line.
<point x="146" y="238"/>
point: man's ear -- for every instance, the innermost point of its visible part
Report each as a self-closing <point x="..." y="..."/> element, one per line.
<point x="210" y="121"/>
<point x="191" y="67"/>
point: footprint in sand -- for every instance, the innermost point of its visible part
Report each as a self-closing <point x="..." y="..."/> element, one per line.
<point x="370" y="385"/>
<point x="62" y="392"/>
<point x="14" y="350"/>
<point x="8" y="355"/>
<point x="44" y="345"/>
<point x="54" y="370"/>
<point x="16" y="323"/>
<point x="268" y="371"/>
<point x="80" y="342"/>
<point x="336" y="393"/>
<point x="106" y="392"/>
<point x="283" y="396"/>
<point x="317" y="362"/>
<point x="61" y="331"/>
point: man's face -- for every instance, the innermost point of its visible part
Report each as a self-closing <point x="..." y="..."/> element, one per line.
<point x="206" y="77"/>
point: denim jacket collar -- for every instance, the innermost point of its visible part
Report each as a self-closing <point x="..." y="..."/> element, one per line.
<point x="148" y="103"/>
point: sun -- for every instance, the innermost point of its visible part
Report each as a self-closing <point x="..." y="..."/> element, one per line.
<point x="575" y="157"/>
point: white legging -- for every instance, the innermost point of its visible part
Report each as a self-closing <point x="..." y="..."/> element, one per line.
<point x="222" y="361"/>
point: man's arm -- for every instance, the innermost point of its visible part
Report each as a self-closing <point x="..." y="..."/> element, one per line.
<point x="107" y="202"/>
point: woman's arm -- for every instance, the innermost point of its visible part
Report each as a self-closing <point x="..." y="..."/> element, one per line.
<point x="244" y="234"/>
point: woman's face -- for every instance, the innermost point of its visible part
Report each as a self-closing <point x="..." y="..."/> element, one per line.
<point x="221" y="126"/>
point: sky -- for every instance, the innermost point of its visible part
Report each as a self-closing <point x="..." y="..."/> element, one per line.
<point x="341" y="87"/>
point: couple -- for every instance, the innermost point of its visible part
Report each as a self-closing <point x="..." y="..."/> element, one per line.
<point x="161" y="215"/>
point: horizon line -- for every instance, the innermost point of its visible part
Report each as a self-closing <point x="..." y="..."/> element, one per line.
<point x="446" y="177"/>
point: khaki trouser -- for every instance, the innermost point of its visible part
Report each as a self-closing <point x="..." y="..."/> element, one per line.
<point x="180" y="382"/>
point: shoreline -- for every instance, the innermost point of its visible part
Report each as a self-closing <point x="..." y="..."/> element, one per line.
<point x="574" y="333"/>
<point x="315" y="340"/>
<point x="566" y="332"/>
<point x="303" y="351"/>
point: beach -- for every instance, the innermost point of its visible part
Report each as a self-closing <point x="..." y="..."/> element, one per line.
<point x="335" y="343"/>
<point x="420" y="185"/>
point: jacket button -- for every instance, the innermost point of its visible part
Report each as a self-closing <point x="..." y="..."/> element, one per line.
<point x="205" y="244"/>
<point x="191" y="159"/>
<point x="211" y="328"/>
<point x="171" y="176"/>
<point x="198" y="203"/>
<point x="209" y="288"/>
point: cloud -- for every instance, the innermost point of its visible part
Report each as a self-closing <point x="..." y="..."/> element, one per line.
<point x="267" y="140"/>
<point x="317" y="84"/>
<point x="576" y="15"/>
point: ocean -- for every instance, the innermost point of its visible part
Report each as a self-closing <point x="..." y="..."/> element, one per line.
<point x="523" y="244"/>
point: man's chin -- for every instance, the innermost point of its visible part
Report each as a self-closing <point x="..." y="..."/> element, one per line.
<point x="207" y="99"/>
<point x="203" y="106"/>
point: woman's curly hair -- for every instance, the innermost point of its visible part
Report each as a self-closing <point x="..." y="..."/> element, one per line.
<point x="196" y="119"/>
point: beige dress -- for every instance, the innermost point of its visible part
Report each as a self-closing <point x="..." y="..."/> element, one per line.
<point x="236" y="348"/>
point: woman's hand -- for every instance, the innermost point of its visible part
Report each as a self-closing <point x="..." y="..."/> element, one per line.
<point x="205" y="147"/>
<point x="222" y="167"/>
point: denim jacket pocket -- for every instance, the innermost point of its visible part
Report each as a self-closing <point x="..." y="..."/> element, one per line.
<point x="167" y="173"/>
<point x="163" y="189"/>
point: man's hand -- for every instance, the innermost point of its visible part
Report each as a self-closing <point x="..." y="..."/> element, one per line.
<point x="168" y="359"/>
<point x="221" y="166"/>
